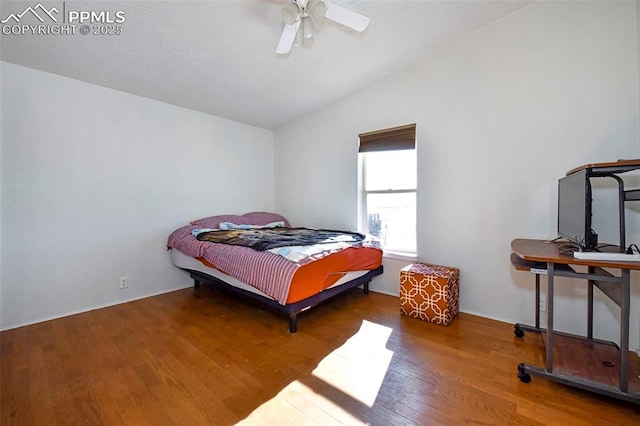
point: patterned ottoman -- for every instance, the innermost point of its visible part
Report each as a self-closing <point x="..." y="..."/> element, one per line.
<point x="430" y="292"/>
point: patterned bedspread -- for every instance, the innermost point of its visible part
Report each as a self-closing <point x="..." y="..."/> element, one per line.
<point x="271" y="238"/>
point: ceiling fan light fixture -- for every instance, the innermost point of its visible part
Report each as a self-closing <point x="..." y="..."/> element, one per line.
<point x="317" y="9"/>
<point x="307" y="27"/>
<point x="290" y="13"/>
<point x="307" y="14"/>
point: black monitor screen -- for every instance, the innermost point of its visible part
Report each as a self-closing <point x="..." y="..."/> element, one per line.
<point x="574" y="210"/>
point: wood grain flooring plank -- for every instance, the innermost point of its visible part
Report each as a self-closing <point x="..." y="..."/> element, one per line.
<point x="135" y="400"/>
<point x="178" y="359"/>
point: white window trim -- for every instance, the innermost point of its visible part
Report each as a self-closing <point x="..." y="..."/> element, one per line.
<point x="400" y="256"/>
<point x="362" y="210"/>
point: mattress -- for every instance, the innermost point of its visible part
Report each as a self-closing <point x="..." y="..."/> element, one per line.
<point x="184" y="261"/>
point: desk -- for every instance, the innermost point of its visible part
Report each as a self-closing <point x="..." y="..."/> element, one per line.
<point x="606" y="169"/>
<point x="581" y="361"/>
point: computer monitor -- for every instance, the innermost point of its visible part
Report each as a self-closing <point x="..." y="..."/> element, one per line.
<point x="574" y="210"/>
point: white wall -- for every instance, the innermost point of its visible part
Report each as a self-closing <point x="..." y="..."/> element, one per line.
<point x="501" y="114"/>
<point x="1" y="138"/>
<point x="94" y="180"/>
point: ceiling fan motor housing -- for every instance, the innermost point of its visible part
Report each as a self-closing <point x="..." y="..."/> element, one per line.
<point x="293" y="12"/>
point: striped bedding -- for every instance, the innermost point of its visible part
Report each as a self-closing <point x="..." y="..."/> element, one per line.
<point x="268" y="272"/>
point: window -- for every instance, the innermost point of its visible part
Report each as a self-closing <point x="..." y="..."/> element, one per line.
<point x="389" y="184"/>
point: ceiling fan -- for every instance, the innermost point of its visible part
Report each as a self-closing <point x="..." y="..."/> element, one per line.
<point x="302" y="15"/>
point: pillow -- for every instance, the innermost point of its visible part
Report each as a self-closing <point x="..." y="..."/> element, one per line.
<point x="225" y="226"/>
<point x="213" y="221"/>
<point x="263" y="218"/>
<point x="253" y="218"/>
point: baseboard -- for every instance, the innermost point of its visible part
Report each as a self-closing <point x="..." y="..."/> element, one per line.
<point x="93" y="308"/>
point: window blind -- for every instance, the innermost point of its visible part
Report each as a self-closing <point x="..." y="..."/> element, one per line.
<point x="393" y="139"/>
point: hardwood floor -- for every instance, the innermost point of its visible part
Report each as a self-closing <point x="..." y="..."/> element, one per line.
<point x="217" y="359"/>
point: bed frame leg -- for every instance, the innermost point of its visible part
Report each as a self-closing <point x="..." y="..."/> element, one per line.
<point x="293" y="323"/>
<point x="365" y="287"/>
<point x="196" y="287"/>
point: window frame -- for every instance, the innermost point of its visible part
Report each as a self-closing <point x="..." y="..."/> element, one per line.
<point x="386" y="140"/>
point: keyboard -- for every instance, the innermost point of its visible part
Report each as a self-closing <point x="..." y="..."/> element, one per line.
<point x="596" y="255"/>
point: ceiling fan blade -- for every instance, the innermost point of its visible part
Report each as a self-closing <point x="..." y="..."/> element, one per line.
<point x="287" y="38"/>
<point x="346" y="17"/>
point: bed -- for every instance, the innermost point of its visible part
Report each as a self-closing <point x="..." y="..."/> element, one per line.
<point x="260" y="256"/>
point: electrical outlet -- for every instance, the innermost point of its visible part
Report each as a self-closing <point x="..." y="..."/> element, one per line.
<point x="543" y="303"/>
<point x="123" y="282"/>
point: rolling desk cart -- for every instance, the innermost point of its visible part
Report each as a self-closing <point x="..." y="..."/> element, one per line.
<point x="584" y="362"/>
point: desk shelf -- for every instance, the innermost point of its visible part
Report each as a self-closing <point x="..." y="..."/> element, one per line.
<point x="587" y="364"/>
<point x="580" y="361"/>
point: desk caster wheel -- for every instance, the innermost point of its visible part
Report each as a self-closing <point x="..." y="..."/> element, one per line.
<point x="517" y="331"/>
<point x="522" y="375"/>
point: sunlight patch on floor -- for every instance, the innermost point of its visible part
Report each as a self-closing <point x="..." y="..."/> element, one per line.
<point x="349" y="376"/>
<point x="298" y="404"/>
<point x="358" y="367"/>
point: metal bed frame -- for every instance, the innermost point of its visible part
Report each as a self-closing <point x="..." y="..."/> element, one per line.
<point x="291" y="309"/>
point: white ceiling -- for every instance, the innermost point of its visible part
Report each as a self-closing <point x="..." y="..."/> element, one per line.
<point x="218" y="57"/>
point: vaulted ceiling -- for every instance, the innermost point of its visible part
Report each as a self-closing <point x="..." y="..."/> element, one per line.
<point x="218" y="57"/>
